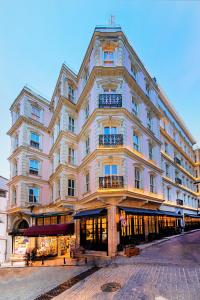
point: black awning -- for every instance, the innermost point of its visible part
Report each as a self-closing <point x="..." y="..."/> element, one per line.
<point x="192" y="216"/>
<point x="90" y="213"/>
<point x="149" y="212"/>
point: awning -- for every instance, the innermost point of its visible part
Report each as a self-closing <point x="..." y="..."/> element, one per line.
<point x="90" y="213"/>
<point x="51" y="214"/>
<point x="192" y="216"/>
<point x="50" y="230"/>
<point x="149" y="212"/>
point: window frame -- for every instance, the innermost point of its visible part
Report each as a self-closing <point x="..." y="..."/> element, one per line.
<point x="34" y="170"/>
<point x="71" y="187"/>
<point x="37" y="196"/>
<point x="33" y="143"/>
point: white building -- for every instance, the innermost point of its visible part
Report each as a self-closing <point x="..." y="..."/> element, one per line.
<point x="3" y="217"/>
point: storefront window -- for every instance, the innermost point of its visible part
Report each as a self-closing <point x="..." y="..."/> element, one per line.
<point x="20" y="245"/>
<point x="94" y="233"/>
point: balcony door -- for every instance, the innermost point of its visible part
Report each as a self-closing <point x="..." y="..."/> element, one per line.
<point x="110" y="130"/>
<point x="110" y="170"/>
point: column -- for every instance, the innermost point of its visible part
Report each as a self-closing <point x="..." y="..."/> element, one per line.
<point x="112" y="231"/>
<point x="77" y="232"/>
<point x="146" y="228"/>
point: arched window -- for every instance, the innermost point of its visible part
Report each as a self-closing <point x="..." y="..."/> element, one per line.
<point x="23" y="225"/>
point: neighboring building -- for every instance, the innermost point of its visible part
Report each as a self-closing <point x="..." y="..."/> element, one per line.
<point x="3" y="217"/>
<point x="107" y="151"/>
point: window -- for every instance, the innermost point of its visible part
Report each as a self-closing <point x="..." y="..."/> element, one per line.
<point x="87" y="182"/>
<point x="135" y="141"/>
<point x="149" y="120"/>
<point x="2" y="194"/>
<point x="110" y="170"/>
<point x="152" y="183"/>
<point x="137" y="178"/>
<point x="110" y="130"/>
<point x="35" y="140"/>
<point x="15" y="169"/>
<point x="147" y="88"/>
<point x="133" y="71"/>
<point x="167" y="173"/>
<point x="71" y="156"/>
<point x="33" y="166"/>
<point x="109" y="90"/>
<point x="71" y="125"/>
<point x="108" y="57"/>
<point x="14" y="196"/>
<point x="150" y="150"/>
<point x="87" y="110"/>
<point x="71" y="187"/>
<point x="34" y="194"/>
<point x="168" y="194"/>
<point x="16" y="141"/>
<point x="35" y="111"/>
<point x="166" y="148"/>
<point x="87" y="146"/>
<point x="71" y="93"/>
<point x="134" y="107"/>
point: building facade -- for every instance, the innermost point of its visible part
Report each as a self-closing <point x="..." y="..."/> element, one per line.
<point x="108" y="157"/>
<point x="3" y="218"/>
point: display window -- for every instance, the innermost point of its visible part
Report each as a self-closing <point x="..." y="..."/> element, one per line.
<point x="21" y="245"/>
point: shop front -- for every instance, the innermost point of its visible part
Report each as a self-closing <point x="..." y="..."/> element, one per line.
<point x="93" y="229"/>
<point x="20" y="243"/>
<point x="140" y="225"/>
<point x="50" y="241"/>
<point x="191" y="222"/>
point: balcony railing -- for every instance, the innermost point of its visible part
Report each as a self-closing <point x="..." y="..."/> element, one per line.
<point x="111" y="182"/>
<point x="110" y="139"/>
<point x="110" y="100"/>
<point x="179" y="202"/>
<point x="178" y="180"/>
<point x="177" y="161"/>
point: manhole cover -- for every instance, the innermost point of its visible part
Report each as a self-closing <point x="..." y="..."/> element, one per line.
<point x="110" y="287"/>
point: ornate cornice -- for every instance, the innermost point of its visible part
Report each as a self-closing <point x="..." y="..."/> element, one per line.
<point x="60" y="169"/>
<point x="177" y="165"/>
<point x="27" y="178"/>
<point x="28" y="149"/>
<point x="163" y="132"/>
<point x="170" y="181"/>
<point x="26" y="120"/>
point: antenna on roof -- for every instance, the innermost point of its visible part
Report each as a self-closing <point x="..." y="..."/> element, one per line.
<point x="112" y="20"/>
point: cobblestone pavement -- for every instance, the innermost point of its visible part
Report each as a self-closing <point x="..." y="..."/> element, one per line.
<point x="28" y="283"/>
<point x="168" y="271"/>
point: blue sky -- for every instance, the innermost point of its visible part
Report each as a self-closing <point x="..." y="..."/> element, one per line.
<point x="36" y="37"/>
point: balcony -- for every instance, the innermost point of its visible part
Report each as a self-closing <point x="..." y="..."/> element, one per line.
<point x="179" y="202"/>
<point x="111" y="182"/>
<point x="177" y="161"/>
<point x="110" y="100"/>
<point x="178" y="180"/>
<point x="110" y="139"/>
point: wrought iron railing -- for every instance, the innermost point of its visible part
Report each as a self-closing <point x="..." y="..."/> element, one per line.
<point x="111" y="182"/>
<point x="178" y="180"/>
<point x="110" y="100"/>
<point x="110" y="139"/>
<point x="179" y="202"/>
<point x="177" y="160"/>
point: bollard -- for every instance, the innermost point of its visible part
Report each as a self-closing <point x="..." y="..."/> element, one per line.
<point x="64" y="261"/>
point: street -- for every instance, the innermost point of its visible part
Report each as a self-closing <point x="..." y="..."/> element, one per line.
<point x="170" y="270"/>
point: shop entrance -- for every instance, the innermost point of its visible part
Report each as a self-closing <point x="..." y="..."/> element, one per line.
<point x="131" y="229"/>
<point x="94" y="233"/>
